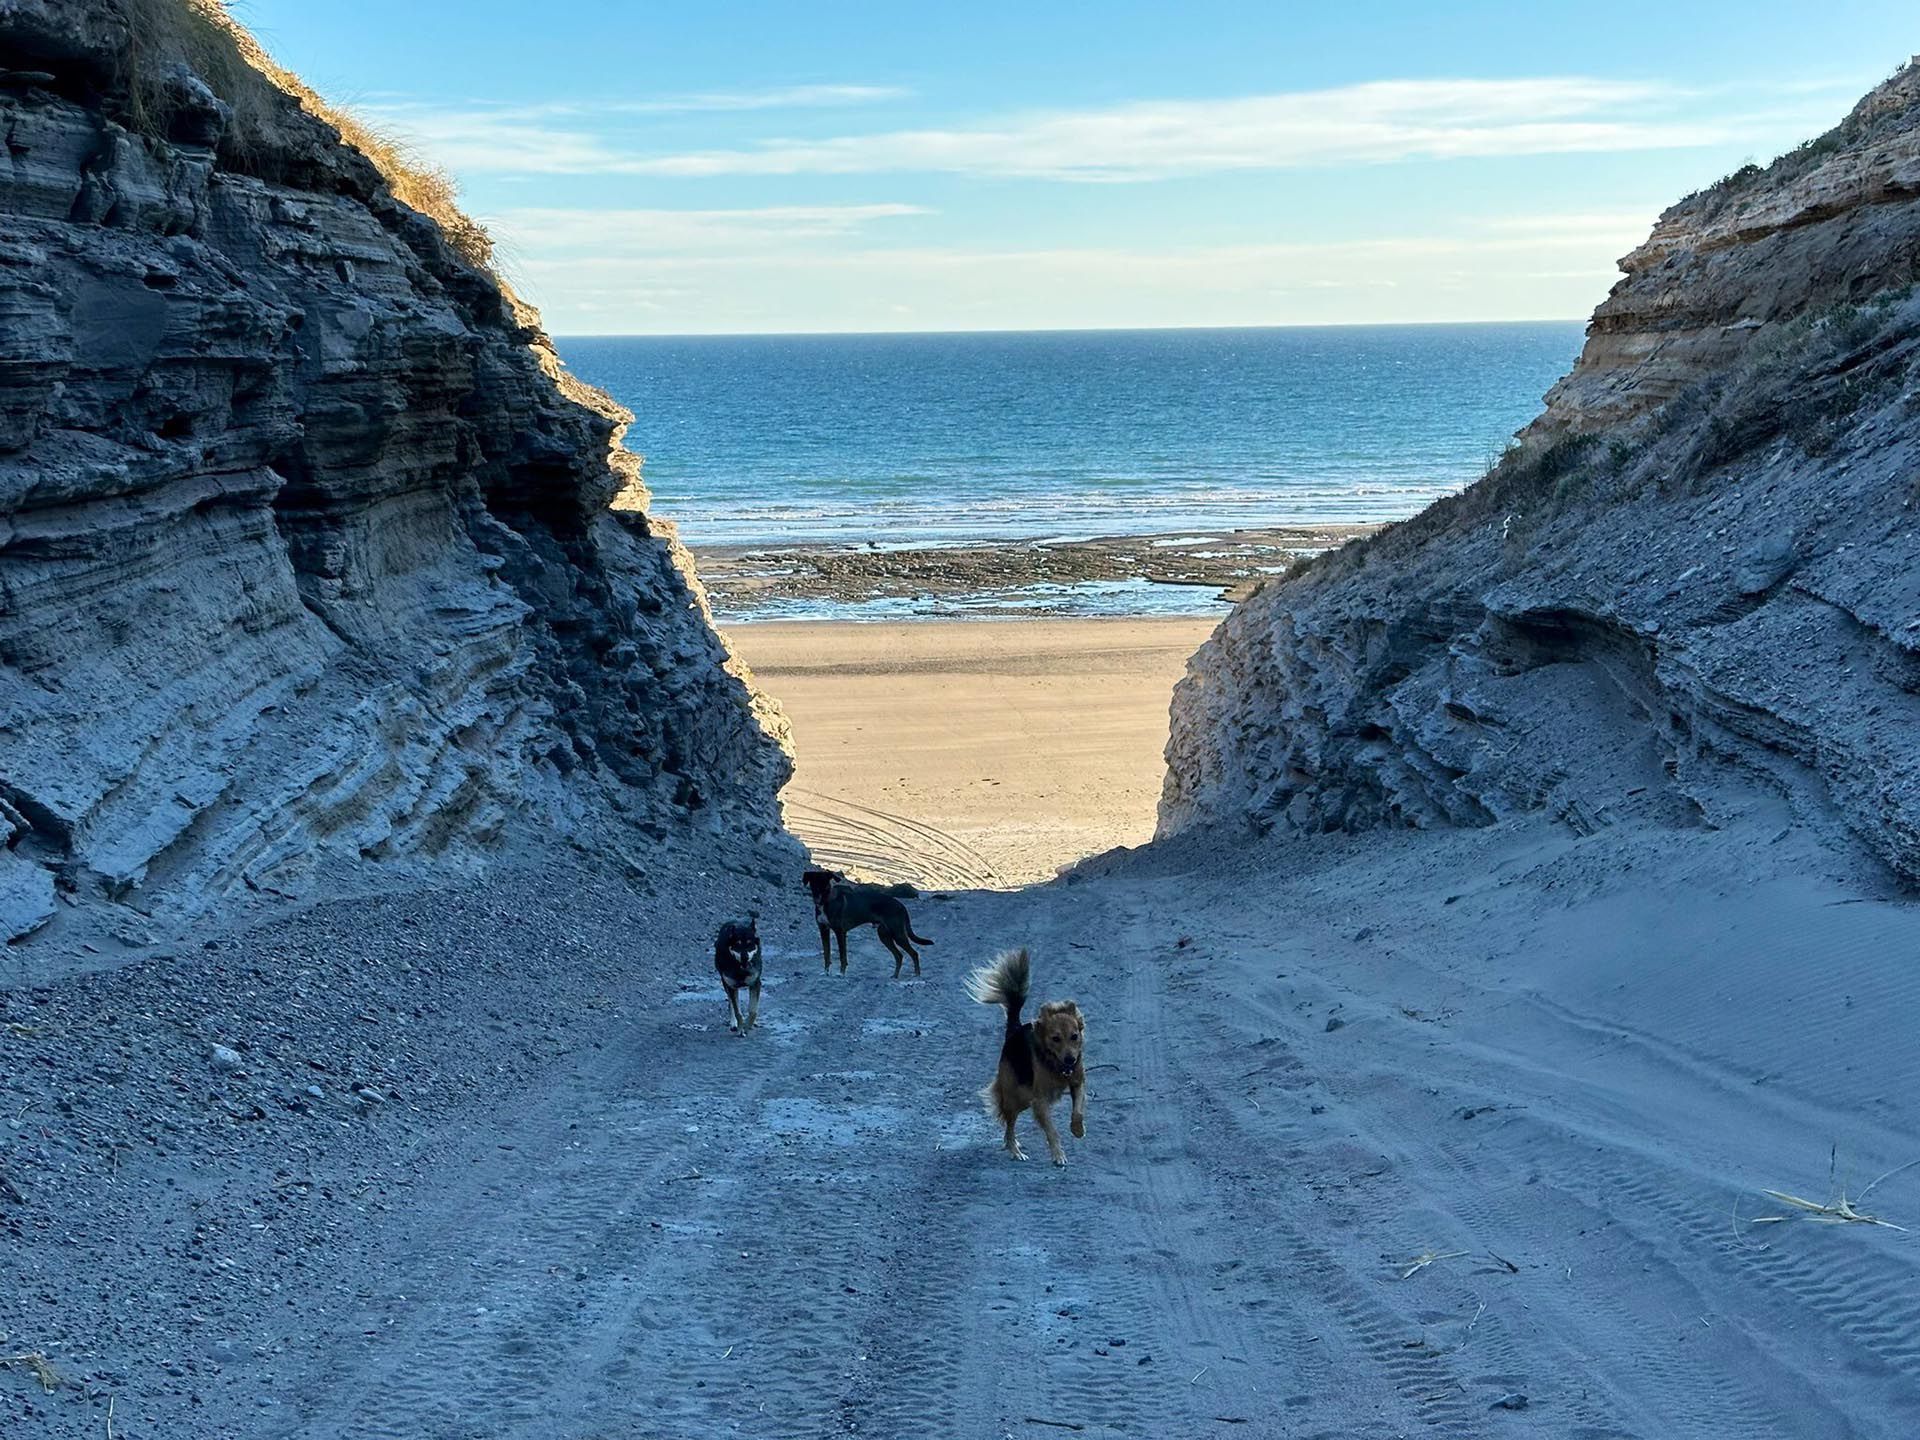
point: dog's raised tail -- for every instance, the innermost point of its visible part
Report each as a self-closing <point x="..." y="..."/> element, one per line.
<point x="1003" y="983"/>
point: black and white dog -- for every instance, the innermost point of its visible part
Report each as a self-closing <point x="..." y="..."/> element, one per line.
<point x="736" y="955"/>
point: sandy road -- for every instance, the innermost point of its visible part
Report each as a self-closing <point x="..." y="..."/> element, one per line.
<point x="812" y="1232"/>
<point x="1563" y="1092"/>
<point x="808" y="1232"/>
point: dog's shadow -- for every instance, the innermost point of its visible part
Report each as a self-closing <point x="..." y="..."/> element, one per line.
<point x="967" y="1145"/>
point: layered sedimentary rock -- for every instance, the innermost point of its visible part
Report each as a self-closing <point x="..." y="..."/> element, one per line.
<point x="1694" y="586"/>
<point x="311" y="557"/>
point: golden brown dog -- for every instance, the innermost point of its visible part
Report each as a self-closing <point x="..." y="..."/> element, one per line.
<point x="1038" y="1060"/>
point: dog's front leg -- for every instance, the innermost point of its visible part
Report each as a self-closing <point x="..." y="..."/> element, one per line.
<point x="753" y="1018"/>
<point x="841" y="936"/>
<point x="1045" y="1118"/>
<point x="1078" y="1124"/>
<point x="733" y="1005"/>
<point x="826" y="949"/>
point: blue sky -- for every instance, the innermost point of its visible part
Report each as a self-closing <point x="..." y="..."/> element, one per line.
<point x="694" y="168"/>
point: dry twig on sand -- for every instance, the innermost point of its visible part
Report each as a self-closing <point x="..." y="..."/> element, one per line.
<point x="1888" y="1176"/>
<point x="1841" y="1210"/>
<point x="1430" y="1257"/>
<point x="43" y="1371"/>
<point x="1465" y="1335"/>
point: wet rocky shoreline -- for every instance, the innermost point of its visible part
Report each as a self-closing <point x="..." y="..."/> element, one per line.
<point x="1186" y="573"/>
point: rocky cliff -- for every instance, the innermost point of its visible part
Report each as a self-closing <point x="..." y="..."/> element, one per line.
<point x="1693" y="586"/>
<point x="311" y="556"/>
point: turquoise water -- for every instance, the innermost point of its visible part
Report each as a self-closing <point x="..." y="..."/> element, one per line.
<point x="1083" y="598"/>
<point x="930" y="438"/>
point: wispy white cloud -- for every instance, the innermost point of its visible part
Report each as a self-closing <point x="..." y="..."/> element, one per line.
<point x="618" y="234"/>
<point x="1528" y="266"/>
<point x="1631" y="224"/>
<point x="1207" y="266"/>
<point x="562" y="241"/>
<point x="495" y="140"/>
<point x="791" y="97"/>
<point x="578" y="137"/>
<point x="1374" y="123"/>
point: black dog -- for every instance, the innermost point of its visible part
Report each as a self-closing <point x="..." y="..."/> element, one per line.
<point x="736" y="955"/>
<point x="840" y="905"/>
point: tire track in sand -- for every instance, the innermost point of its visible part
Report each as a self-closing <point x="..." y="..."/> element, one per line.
<point x="846" y="834"/>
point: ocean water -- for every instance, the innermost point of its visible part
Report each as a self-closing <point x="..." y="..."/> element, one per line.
<point x="914" y="439"/>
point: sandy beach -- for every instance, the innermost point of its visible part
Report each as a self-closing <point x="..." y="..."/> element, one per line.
<point x="973" y="752"/>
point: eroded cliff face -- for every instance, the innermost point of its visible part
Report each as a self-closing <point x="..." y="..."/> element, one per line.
<point x="311" y="557"/>
<point x="1695" y="586"/>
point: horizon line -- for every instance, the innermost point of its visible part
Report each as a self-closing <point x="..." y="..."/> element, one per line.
<point x="1056" y="329"/>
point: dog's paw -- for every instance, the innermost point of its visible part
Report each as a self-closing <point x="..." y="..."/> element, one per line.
<point x="1017" y="1153"/>
<point x="1079" y="1128"/>
<point x="1060" y="1161"/>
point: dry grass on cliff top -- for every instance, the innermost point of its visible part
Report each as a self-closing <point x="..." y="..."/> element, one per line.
<point x="201" y="35"/>
<point x="1884" y="107"/>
